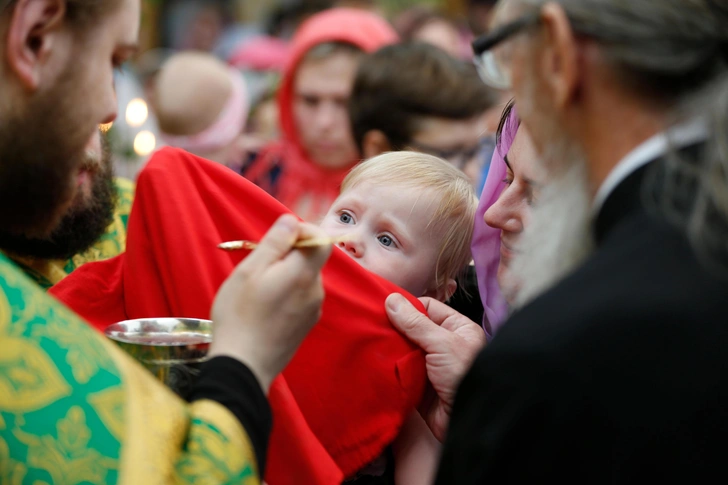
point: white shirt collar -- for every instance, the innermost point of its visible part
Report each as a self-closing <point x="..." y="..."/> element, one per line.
<point x="678" y="136"/>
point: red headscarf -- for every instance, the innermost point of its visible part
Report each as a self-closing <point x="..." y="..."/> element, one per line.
<point x="300" y="176"/>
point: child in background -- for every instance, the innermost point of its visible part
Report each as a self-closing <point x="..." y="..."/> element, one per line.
<point x="304" y="169"/>
<point x="202" y="107"/>
<point x="410" y="217"/>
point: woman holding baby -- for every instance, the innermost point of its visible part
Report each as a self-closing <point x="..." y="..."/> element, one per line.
<point x="451" y="340"/>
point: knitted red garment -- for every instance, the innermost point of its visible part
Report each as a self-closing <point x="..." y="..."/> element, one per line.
<point x="347" y="391"/>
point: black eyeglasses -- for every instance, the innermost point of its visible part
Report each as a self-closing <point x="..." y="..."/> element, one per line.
<point x="459" y="157"/>
<point x="490" y="70"/>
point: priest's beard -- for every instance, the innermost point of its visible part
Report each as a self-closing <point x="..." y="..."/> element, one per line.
<point x="557" y="238"/>
<point x="558" y="235"/>
<point x="82" y="225"/>
<point x="41" y="149"/>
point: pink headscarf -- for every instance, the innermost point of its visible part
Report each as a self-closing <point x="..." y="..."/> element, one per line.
<point x="262" y="53"/>
<point x="486" y="240"/>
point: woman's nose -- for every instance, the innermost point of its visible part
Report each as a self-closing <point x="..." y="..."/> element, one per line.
<point x="507" y="213"/>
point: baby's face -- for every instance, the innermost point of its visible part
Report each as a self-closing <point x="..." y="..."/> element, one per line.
<point x="389" y="233"/>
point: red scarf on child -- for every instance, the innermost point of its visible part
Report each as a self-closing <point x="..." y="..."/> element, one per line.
<point x="346" y="393"/>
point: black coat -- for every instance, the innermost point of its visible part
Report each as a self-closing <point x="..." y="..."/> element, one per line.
<point x="619" y="374"/>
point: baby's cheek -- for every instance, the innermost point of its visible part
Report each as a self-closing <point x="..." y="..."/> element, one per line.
<point x="398" y="271"/>
<point x="329" y="225"/>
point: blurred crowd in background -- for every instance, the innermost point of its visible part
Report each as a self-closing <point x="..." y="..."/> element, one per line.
<point x="253" y="38"/>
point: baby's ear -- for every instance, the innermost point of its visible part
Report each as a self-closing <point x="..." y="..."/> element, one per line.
<point x="444" y="292"/>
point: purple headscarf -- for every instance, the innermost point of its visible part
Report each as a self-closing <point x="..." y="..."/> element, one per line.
<point x="486" y="240"/>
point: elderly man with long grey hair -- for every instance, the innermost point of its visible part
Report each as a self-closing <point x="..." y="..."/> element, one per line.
<point x="613" y="367"/>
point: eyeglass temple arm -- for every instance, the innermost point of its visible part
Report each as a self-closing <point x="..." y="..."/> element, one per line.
<point x="488" y="41"/>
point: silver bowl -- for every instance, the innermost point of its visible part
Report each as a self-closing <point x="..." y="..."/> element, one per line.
<point x="170" y="348"/>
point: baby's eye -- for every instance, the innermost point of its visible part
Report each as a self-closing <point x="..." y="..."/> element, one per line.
<point x="386" y="240"/>
<point x="346" y="218"/>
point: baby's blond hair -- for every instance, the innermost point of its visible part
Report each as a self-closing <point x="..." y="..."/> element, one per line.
<point x="456" y="206"/>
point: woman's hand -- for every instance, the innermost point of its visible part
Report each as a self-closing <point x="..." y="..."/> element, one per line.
<point x="451" y="342"/>
<point x="272" y="299"/>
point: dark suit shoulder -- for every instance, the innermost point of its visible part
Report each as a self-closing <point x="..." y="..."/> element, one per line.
<point x="644" y="280"/>
<point x="617" y="374"/>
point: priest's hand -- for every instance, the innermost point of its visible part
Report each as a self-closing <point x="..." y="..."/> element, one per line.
<point x="451" y="342"/>
<point x="272" y="299"/>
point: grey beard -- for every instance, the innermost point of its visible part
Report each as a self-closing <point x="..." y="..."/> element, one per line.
<point x="558" y="235"/>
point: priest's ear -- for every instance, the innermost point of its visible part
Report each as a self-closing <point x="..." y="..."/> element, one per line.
<point x="444" y="292"/>
<point x="35" y="33"/>
<point x="375" y="143"/>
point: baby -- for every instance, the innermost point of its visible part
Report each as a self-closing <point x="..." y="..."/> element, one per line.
<point x="410" y="217"/>
<point x="202" y="106"/>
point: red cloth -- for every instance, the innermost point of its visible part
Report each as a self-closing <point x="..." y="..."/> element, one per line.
<point x="346" y="393"/>
<point x="302" y="179"/>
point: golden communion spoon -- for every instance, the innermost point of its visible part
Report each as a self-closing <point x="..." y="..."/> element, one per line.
<point x="301" y="243"/>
